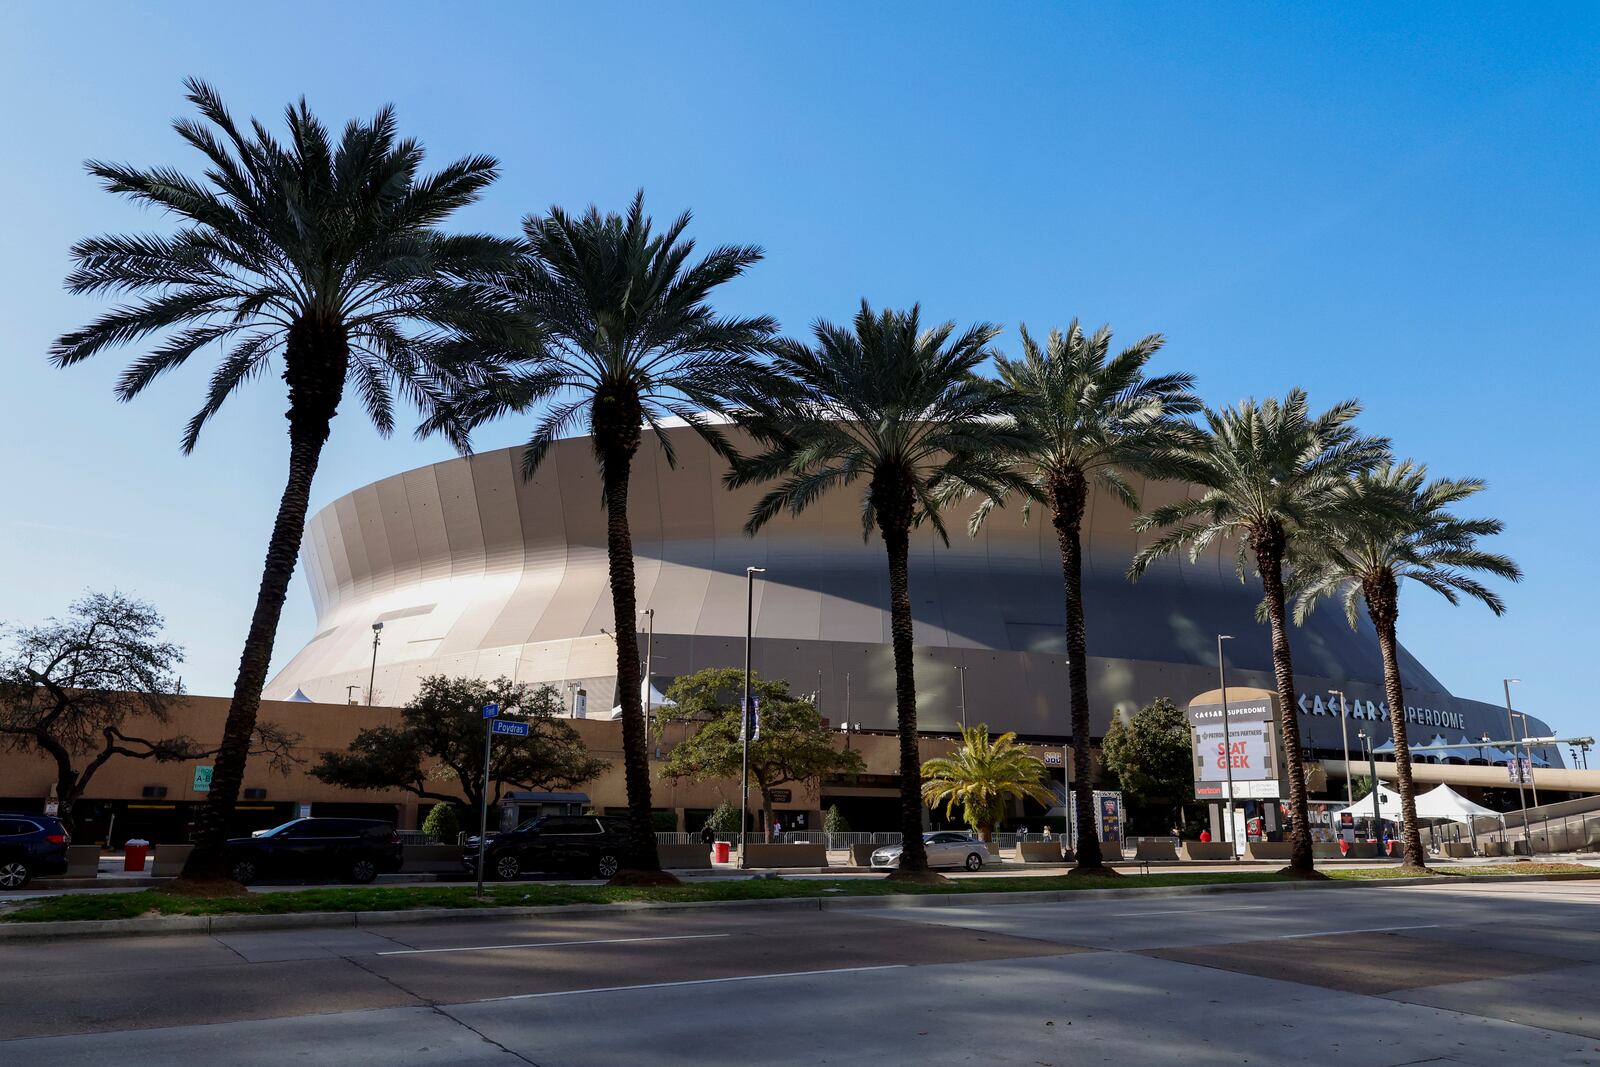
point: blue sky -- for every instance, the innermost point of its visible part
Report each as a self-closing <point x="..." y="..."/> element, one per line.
<point x="1396" y="204"/>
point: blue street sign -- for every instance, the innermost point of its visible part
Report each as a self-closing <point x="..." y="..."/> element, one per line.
<point x="491" y="711"/>
<point x="509" y="726"/>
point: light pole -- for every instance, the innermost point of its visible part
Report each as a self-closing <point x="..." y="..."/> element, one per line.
<point x="1372" y="771"/>
<point x="1227" y="743"/>
<point x="649" y="646"/>
<point x="847" y="730"/>
<point x="1533" y="782"/>
<point x="961" y="672"/>
<point x="744" y="708"/>
<point x="1344" y="735"/>
<point x="350" y="689"/>
<point x="377" y="631"/>
<point x="1522" y="797"/>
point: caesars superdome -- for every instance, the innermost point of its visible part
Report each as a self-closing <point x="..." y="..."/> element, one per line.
<point x="474" y="571"/>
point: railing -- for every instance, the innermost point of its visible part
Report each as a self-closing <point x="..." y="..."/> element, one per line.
<point x="792" y="837"/>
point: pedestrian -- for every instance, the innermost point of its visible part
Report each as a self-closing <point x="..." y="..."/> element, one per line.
<point x="1047" y="833"/>
<point x="708" y="836"/>
<point x="777" y="830"/>
<point x="1022" y="834"/>
<point x="1177" y="831"/>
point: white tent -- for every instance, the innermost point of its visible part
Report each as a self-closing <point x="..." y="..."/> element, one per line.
<point x="1446" y="804"/>
<point x="650" y="697"/>
<point x="1388" y="805"/>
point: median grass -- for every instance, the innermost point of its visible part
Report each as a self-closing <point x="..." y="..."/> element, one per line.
<point x="99" y="906"/>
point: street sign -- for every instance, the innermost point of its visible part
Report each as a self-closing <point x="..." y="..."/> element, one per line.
<point x="491" y="711"/>
<point x="202" y="779"/>
<point x="508" y="726"/>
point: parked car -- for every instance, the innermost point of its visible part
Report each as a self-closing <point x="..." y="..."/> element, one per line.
<point x="946" y="848"/>
<point x="586" y="844"/>
<point x="352" y="850"/>
<point x="31" y="845"/>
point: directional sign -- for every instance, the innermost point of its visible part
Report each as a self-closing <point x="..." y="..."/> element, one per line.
<point x="491" y="711"/>
<point x="202" y="779"/>
<point x="507" y="726"/>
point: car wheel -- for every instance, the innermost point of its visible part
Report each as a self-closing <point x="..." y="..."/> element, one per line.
<point x="606" y="866"/>
<point x="14" y="874"/>
<point x="506" y="866"/>
<point x="242" y="871"/>
<point x="974" y="862"/>
<point x="361" y="871"/>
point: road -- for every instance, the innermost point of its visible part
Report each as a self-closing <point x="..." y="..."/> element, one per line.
<point x="1473" y="974"/>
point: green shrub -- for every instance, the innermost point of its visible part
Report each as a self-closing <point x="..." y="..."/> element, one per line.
<point x="725" y="820"/>
<point x="442" y="824"/>
<point x="834" y="821"/>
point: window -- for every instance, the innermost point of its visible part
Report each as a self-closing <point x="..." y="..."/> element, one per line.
<point x="15" y="828"/>
<point x="322" y="828"/>
<point x="569" y="824"/>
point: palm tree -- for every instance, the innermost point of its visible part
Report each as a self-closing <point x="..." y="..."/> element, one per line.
<point x="899" y="407"/>
<point x="1394" y="524"/>
<point x="1097" y="419"/>
<point x="983" y="776"/>
<point x="321" y="254"/>
<point x="1268" y="472"/>
<point x="628" y="339"/>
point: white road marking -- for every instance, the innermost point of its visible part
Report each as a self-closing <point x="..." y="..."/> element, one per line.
<point x="1362" y="930"/>
<point x="694" y="981"/>
<point x="547" y="944"/>
<point x="1191" y="911"/>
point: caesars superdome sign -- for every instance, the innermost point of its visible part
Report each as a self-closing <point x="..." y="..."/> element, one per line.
<point x="1378" y="711"/>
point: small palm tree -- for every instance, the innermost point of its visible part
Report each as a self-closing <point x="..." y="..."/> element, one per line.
<point x="899" y="407"/>
<point x="318" y="253"/>
<point x="1268" y="473"/>
<point x="983" y="776"/>
<point x="1096" y="419"/>
<point x="627" y="339"/>
<point x="1394" y="524"/>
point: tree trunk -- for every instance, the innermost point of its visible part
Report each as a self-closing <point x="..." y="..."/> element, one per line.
<point x="1269" y="548"/>
<point x="315" y="367"/>
<point x="616" y="440"/>
<point x="1069" y="495"/>
<point x="894" y="507"/>
<point x="1383" y="607"/>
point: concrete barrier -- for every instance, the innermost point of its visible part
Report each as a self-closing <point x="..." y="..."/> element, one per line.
<point x="775" y="855"/>
<point x="169" y="860"/>
<point x="1496" y="848"/>
<point x="1158" y="848"/>
<point x="1457" y="850"/>
<point x="685" y="857"/>
<point x="83" y="861"/>
<point x="1268" y="850"/>
<point x="1325" y="850"/>
<point x="1039" y="851"/>
<point x="420" y="859"/>
<point x="1209" y="851"/>
<point x="861" y="855"/>
<point x="1365" y="850"/>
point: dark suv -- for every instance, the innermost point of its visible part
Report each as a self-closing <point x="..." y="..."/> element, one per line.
<point x="29" y="845"/>
<point x="587" y="844"/>
<point x="353" y="850"/>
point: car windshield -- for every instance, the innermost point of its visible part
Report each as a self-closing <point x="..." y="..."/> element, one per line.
<point x="531" y="823"/>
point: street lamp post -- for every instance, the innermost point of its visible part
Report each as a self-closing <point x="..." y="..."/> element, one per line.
<point x="1372" y="769"/>
<point x="1344" y="735"/>
<point x="377" y="631"/>
<point x="962" y="673"/>
<point x="649" y="647"/>
<point x="1533" y="781"/>
<point x="1522" y="797"/>
<point x="1227" y="743"/>
<point x="744" y="708"/>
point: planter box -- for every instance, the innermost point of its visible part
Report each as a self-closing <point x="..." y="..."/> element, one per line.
<point x="775" y="855"/>
<point x="1268" y="850"/>
<point x="170" y="860"/>
<point x="685" y="857"/>
<point x="1154" y="849"/>
<point x="1209" y="851"/>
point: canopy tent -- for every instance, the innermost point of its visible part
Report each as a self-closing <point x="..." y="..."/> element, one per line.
<point x="1446" y="804"/>
<point x="650" y="697"/>
<point x="1388" y="805"/>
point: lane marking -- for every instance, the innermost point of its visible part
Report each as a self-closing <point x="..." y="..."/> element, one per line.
<point x="694" y="981"/>
<point x="546" y="944"/>
<point x="1190" y="911"/>
<point x="1362" y="930"/>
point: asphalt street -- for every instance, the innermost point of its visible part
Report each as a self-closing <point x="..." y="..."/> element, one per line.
<point x="1471" y="974"/>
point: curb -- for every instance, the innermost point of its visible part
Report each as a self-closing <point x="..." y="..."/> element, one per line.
<point x="208" y="924"/>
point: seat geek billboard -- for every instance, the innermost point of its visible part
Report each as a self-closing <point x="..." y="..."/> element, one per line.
<point x="1247" y="745"/>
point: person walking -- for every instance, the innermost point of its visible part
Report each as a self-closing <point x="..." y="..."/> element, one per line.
<point x="708" y="836"/>
<point x="777" y="830"/>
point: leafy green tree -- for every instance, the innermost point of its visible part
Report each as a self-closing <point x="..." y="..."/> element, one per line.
<point x="834" y="822"/>
<point x="1096" y="420"/>
<point x="983" y="776"/>
<point x="1268" y="472"/>
<point x="898" y="407"/>
<point x="1152" y="757"/>
<point x="725" y="819"/>
<point x="795" y="744"/>
<point x="91" y="687"/>
<point x="442" y="823"/>
<point x="318" y="254"/>
<point x="1393" y="525"/>
<point x="437" y="750"/>
<point x="629" y="338"/>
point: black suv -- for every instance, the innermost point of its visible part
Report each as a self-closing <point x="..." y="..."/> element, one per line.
<point x="354" y="850"/>
<point x="29" y="845"/>
<point x="588" y="844"/>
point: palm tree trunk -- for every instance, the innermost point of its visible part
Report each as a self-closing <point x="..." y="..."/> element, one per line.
<point x="1069" y="497"/>
<point x="316" y="361"/>
<point x="1269" y="561"/>
<point x="1383" y="606"/>
<point x="616" y="461"/>
<point x="897" y="538"/>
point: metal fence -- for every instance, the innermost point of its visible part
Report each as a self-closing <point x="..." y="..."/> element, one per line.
<point x="791" y="837"/>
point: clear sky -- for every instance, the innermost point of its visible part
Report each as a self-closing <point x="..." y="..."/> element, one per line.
<point x="1392" y="202"/>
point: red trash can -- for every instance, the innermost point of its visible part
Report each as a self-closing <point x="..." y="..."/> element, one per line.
<point x="722" y="852"/>
<point x="134" y="853"/>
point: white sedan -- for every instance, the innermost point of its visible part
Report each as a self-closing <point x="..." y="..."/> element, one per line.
<point x="946" y="848"/>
